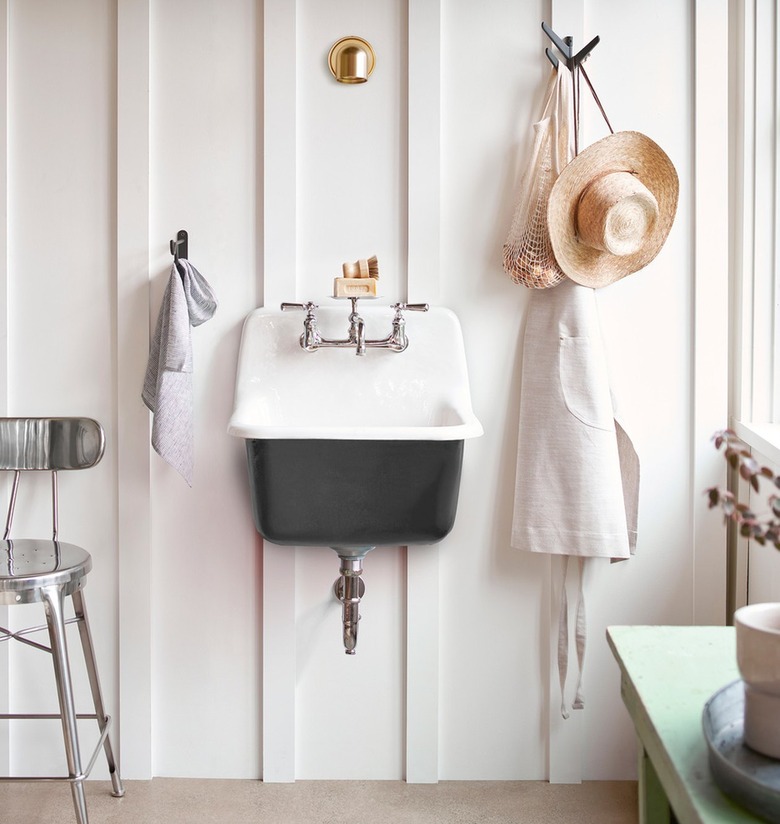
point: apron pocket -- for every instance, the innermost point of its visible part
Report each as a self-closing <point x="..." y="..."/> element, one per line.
<point x="585" y="383"/>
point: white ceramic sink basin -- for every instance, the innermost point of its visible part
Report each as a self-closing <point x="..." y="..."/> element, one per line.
<point x="346" y="450"/>
<point x="419" y="394"/>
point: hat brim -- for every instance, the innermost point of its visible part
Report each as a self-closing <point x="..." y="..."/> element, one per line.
<point x="620" y="152"/>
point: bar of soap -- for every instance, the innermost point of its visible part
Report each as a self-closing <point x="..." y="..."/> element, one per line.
<point x="354" y="287"/>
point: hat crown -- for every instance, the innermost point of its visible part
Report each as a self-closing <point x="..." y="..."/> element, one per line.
<point x="616" y="213"/>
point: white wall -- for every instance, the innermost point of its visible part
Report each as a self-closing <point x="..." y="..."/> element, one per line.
<point x="205" y="582"/>
<point x="206" y="175"/>
<point x="350" y="200"/>
<point x="60" y="303"/>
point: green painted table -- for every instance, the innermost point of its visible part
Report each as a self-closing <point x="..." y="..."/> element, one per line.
<point x="668" y="674"/>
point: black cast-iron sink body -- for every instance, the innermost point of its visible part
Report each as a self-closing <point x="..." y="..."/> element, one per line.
<point x="314" y="492"/>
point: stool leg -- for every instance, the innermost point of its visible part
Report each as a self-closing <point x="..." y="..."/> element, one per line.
<point x="53" y="601"/>
<point x="80" y="609"/>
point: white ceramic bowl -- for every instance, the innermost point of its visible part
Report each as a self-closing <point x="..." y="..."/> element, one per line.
<point x="758" y="658"/>
<point x="419" y="394"/>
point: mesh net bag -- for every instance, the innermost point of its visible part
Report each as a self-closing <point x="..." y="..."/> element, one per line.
<point x="528" y="254"/>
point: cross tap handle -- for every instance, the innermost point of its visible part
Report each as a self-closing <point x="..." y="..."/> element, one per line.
<point x="410" y="307"/>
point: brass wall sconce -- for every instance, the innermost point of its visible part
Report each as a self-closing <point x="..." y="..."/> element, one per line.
<point x="351" y="60"/>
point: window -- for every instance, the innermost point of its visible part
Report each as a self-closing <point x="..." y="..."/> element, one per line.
<point x="754" y="573"/>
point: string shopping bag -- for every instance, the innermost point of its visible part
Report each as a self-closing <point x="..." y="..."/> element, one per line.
<point x="528" y="254"/>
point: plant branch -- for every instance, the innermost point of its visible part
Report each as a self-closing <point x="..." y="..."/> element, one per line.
<point x="738" y="456"/>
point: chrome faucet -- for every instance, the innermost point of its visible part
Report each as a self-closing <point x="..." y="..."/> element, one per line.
<point x="310" y="338"/>
<point x="397" y="341"/>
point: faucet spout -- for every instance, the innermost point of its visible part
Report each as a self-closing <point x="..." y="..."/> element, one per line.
<point x="357" y="329"/>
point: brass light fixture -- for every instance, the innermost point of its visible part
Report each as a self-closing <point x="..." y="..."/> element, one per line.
<point x="351" y="60"/>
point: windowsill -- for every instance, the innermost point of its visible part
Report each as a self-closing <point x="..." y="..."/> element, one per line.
<point x="764" y="438"/>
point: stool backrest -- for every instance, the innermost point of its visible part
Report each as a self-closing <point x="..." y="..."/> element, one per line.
<point x="52" y="444"/>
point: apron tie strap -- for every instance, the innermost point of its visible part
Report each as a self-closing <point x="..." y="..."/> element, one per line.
<point x="580" y="635"/>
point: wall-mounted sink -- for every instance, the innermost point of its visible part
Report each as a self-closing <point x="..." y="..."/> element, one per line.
<point x="352" y="452"/>
<point x="346" y="450"/>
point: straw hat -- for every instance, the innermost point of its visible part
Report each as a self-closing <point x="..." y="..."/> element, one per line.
<point x="611" y="208"/>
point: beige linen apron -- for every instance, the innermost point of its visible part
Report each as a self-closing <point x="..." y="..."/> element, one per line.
<point x="577" y="481"/>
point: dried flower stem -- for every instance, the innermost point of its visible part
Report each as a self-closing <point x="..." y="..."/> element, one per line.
<point x="738" y="456"/>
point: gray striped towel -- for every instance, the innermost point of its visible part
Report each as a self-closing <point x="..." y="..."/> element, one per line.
<point x="188" y="301"/>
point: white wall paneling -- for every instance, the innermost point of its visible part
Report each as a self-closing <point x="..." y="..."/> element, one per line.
<point x="4" y="44"/>
<point x="763" y="213"/>
<point x="227" y="656"/>
<point x="353" y="126"/>
<point x="565" y="736"/>
<point x="279" y="646"/>
<point x="660" y="376"/>
<point x="280" y="171"/>
<point x="711" y="303"/>
<point x="742" y="114"/>
<point x="132" y="308"/>
<point x="205" y="177"/>
<point x="61" y="312"/>
<point x="280" y="176"/>
<point x="424" y="150"/>
<point x="423" y="276"/>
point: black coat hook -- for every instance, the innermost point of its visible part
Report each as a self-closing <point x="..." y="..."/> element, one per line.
<point x="179" y="247"/>
<point x="566" y="47"/>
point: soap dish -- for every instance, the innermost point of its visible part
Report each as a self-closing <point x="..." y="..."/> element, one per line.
<point x="355" y="297"/>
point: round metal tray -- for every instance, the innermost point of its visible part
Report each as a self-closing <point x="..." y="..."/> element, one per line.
<point x="749" y="778"/>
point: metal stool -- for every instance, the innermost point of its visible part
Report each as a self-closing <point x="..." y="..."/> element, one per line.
<point x="47" y="571"/>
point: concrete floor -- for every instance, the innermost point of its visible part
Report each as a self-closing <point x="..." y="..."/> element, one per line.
<point x="213" y="801"/>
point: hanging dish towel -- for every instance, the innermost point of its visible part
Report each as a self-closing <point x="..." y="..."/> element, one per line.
<point x="188" y="301"/>
<point x="577" y="480"/>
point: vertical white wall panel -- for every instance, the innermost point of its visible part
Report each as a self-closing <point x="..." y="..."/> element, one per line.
<point x="764" y="242"/>
<point x="279" y="176"/>
<point x="565" y="751"/>
<point x="711" y="304"/>
<point x="351" y="198"/>
<point x="351" y="192"/>
<point x="493" y="604"/>
<point x="5" y="752"/>
<point x="61" y="304"/>
<point x="423" y="569"/>
<point x="424" y="150"/>
<point x="349" y="714"/>
<point x="647" y="319"/>
<point x="206" y="564"/>
<point x="133" y="429"/>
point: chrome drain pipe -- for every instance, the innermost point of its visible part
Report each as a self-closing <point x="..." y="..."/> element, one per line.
<point x="349" y="589"/>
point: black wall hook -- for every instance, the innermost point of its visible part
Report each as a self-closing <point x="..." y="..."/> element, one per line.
<point x="179" y="247"/>
<point x="566" y="48"/>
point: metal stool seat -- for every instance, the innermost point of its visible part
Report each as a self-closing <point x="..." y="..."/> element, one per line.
<point x="28" y="566"/>
<point x="47" y="571"/>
